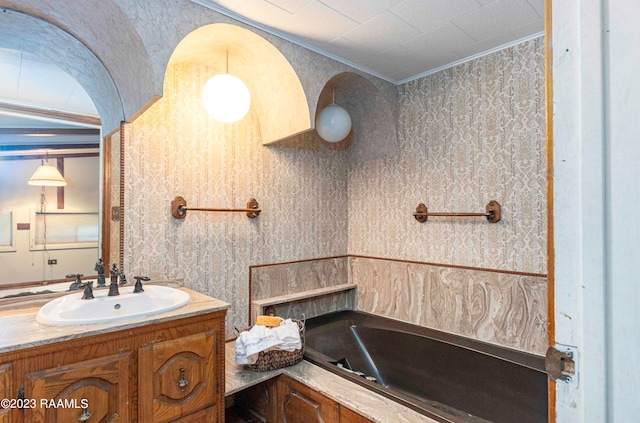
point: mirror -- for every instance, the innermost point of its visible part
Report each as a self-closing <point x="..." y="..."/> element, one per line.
<point x="49" y="232"/>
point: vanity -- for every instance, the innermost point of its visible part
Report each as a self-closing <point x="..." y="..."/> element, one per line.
<point x="168" y="367"/>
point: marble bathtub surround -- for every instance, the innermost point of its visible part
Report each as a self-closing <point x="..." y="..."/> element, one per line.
<point x="499" y="307"/>
<point x="317" y="281"/>
<point x="503" y="308"/>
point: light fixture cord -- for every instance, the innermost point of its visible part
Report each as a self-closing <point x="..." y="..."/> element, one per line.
<point x="43" y="200"/>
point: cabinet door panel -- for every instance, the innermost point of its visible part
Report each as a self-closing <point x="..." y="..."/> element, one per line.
<point x="101" y="384"/>
<point x="300" y="404"/>
<point x="6" y="390"/>
<point x="349" y="416"/>
<point x="177" y="377"/>
<point x="261" y="401"/>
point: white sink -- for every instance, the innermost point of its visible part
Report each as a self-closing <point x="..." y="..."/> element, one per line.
<point x="73" y="310"/>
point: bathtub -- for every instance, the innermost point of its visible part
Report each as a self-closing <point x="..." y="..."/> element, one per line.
<point x="443" y="376"/>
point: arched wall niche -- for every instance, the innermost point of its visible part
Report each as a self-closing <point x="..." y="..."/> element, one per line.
<point x="277" y="96"/>
<point x="373" y="132"/>
<point x="95" y="42"/>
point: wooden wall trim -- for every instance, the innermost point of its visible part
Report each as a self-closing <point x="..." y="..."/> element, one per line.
<point x="121" y="246"/>
<point x="548" y="72"/>
<point x="454" y="266"/>
<point x="106" y="201"/>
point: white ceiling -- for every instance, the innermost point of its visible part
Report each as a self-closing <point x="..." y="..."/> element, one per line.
<point x="31" y="83"/>
<point x="397" y="40"/>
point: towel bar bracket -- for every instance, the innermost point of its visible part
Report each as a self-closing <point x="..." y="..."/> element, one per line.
<point x="179" y="208"/>
<point x="493" y="213"/>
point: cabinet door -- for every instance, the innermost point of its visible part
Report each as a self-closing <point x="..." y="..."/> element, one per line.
<point x="348" y="416"/>
<point x="101" y="384"/>
<point x="6" y="390"/>
<point x="177" y="377"/>
<point x="260" y="401"/>
<point x="300" y="404"/>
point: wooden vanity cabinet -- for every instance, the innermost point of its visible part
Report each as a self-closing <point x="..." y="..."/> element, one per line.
<point x="171" y="371"/>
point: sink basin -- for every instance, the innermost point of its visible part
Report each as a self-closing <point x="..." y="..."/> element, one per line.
<point x="73" y="310"/>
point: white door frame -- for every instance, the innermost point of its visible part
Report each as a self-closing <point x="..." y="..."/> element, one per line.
<point x="596" y="186"/>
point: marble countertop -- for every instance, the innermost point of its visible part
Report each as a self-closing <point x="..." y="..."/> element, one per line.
<point x="19" y="328"/>
<point x="373" y="406"/>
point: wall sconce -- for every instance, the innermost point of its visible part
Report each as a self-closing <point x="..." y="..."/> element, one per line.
<point x="225" y="97"/>
<point x="333" y="123"/>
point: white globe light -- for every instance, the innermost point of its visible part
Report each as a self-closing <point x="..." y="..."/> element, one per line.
<point x="333" y="123"/>
<point x="226" y="98"/>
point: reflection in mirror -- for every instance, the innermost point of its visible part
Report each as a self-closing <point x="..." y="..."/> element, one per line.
<point x="47" y="232"/>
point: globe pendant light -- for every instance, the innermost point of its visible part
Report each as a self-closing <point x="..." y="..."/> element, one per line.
<point x="225" y="97"/>
<point x="333" y="123"/>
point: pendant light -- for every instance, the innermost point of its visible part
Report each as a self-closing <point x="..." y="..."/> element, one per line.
<point x="333" y="123"/>
<point x="47" y="175"/>
<point x="225" y="97"/>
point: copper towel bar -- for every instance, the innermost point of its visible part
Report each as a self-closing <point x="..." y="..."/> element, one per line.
<point x="492" y="213"/>
<point x="179" y="208"/>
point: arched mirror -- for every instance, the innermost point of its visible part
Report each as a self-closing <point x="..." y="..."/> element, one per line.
<point x="48" y="229"/>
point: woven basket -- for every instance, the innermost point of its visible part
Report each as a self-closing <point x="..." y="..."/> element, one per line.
<point x="276" y="359"/>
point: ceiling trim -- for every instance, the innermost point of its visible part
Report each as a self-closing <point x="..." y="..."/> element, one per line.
<point x="470" y="58"/>
<point x="49" y="131"/>
<point x="45" y="153"/>
<point x="49" y="115"/>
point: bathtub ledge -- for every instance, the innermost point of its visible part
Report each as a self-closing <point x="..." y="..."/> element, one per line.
<point x="373" y="406"/>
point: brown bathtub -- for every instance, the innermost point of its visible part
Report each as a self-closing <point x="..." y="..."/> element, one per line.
<point x="446" y="377"/>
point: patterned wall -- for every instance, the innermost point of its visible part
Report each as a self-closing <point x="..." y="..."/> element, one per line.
<point x="467" y="135"/>
<point x="176" y="149"/>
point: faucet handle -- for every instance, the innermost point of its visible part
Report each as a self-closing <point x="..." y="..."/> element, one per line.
<point x="76" y="284"/>
<point x="138" y="286"/>
<point x="88" y="290"/>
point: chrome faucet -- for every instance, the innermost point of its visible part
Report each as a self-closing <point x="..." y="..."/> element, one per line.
<point x="77" y="284"/>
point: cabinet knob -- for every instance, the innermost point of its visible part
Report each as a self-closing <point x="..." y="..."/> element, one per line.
<point x="182" y="383"/>
<point x="84" y="416"/>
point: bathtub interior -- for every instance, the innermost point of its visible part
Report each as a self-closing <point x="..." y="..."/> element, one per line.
<point x="449" y="378"/>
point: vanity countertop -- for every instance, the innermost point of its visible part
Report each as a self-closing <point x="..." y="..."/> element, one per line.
<point x="19" y="328"/>
<point x="369" y="404"/>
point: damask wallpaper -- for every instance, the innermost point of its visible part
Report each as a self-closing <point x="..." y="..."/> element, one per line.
<point x="466" y="135"/>
<point x="177" y="149"/>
